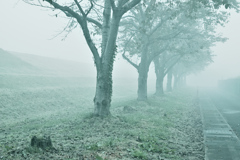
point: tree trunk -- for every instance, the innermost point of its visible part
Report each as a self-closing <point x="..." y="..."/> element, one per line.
<point x="169" y="81"/>
<point x="142" y="83"/>
<point x="159" y="71"/>
<point x="143" y="75"/>
<point x="102" y="100"/>
<point x="103" y="95"/>
<point x="159" y="85"/>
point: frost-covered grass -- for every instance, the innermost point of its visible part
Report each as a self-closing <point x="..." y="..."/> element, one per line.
<point x="161" y="128"/>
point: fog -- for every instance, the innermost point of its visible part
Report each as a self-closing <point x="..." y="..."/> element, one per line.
<point x="227" y="57"/>
<point x="52" y="106"/>
<point x="28" y="29"/>
<point x="33" y="30"/>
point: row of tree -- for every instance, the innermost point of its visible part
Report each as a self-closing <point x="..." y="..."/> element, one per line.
<point x="176" y="35"/>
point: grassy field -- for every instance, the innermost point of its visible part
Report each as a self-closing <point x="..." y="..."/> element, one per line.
<point x="167" y="127"/>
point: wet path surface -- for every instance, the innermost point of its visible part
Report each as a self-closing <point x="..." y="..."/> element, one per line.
<point x="229" y="107"/>
<point x="221" y="118"/>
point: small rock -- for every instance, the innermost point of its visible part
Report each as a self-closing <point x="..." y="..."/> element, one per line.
<point x="128" y="109"/>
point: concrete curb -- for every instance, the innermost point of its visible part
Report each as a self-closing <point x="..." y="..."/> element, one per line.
<point x="221" y="143"/>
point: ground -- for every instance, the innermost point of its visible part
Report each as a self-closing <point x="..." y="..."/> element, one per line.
<point x="163" y="128"/>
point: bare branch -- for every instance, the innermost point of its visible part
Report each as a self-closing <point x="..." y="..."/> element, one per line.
<point x="98" y="24"/>
<point x="90" y="8"/>
<point x="83" y="23"/>
<point x="69" y="31"/>
<point x="65" y="28"/>
<point x="65" y="11"/>
<point x="80" y="8"/>
<point x="98" y="4"/>
<point x="125" y="57"/>
<point x="38" y="5"/>
<point x="129" y="61"/>
<point x="129" y="6"/>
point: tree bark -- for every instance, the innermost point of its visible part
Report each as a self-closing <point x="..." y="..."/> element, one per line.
<point x="159" y="85"/>
<point x="159" y="71"/>
<point x="143" y="74"/>
<point x="142" y="83"/>
<point x="103" y="95"/>
<point x="102" y="99"/>
<point x="105" y="25"/>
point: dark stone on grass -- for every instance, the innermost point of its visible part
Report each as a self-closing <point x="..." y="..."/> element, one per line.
<point x="128" y="109"/>
<point x="45" y="143"/>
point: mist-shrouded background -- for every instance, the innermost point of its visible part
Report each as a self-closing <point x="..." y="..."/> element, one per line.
<point x="29" y="29"/>
<point x="227" y="56"/>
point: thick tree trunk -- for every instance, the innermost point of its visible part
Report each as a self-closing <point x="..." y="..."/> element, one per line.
<point x="102" y="100"/>
<point x="159" y="85"/>
<point x="169" y="81"/>
<point x="103" y="95"/>
<point x="143" y="75"/>
<point x="142" y="83"/>
<point x="159" y="81"/>
<point x="159" y="71"/>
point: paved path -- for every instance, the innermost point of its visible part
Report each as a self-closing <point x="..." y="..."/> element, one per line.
<point x="221" y="143"/>
<point x="229" y="106"/>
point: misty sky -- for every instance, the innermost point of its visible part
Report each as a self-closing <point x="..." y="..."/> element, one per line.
<point x="29" y="29"/>
<point x="227" y="56"/>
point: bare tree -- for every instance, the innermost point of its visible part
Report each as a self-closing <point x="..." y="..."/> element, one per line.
<point x="104" y="16"/>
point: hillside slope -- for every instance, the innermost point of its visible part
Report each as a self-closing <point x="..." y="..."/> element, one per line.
<point x="58" y="67"/>
<point x="19" y="70"/>
<point x="10" y="64"/>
